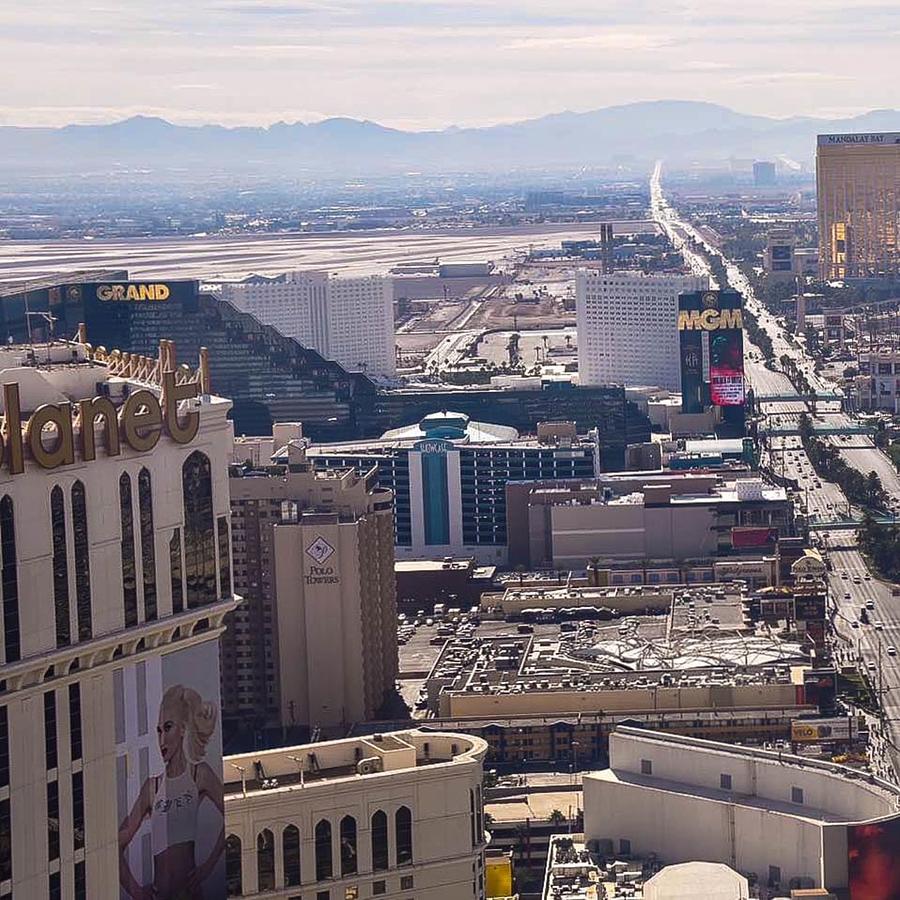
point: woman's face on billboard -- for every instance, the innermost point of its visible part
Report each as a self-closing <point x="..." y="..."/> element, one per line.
<point x="170" y="734"/>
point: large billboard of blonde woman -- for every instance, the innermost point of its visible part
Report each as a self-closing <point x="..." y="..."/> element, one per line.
<point x="169" y="777"/>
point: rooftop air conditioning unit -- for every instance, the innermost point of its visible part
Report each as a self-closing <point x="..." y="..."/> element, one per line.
<point x="370" y="766"/>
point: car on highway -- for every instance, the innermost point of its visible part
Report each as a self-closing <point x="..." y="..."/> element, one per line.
<point x="854" y="623"/>
<point x="891" y="651"/>
<point x="879" y="626"/>
<point x="847" y="595"/>
<point x="870" y="604"/>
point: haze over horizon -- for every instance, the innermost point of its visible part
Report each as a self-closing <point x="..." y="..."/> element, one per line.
<point x="422" y="64"/>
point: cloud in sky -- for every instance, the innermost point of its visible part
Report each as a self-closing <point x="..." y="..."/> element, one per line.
<point x="432" y="63"/>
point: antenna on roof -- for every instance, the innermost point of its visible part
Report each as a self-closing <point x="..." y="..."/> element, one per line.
<point x="49" y="318"/>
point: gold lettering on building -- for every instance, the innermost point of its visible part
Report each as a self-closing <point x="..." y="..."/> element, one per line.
<point x="132" y="292"/>
<point x="141" y="419"/>
<point x="61" y="452"/>
<point x="91" y="410"/>
<point x="709" y="319"/>
<point x="49" y="433"/>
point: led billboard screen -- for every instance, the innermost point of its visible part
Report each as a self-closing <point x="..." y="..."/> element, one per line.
<point x="873" y="860"/>
<point x="169" y="776"/>
<point x="710" y="330"/>
<point x="726" y="368"/>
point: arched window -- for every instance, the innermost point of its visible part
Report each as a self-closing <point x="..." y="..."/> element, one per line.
<point x="380" y="857"/>
<point x="129" y="577"/>
<point x="10" y="580"/>
<point x="404" y="837"/>
<point x="82" y="562"/>
<point x="265" y="860"/>
<point x="349" y="860"/>
<point x="60" y="567"/>
<point x="324" y="864"/>
<point x="176" y="572"/>
<point x="290" y="850"/>
<point x="233" y="866"/>
<point x="199" y="531"/>
<point x="148" y="548"/>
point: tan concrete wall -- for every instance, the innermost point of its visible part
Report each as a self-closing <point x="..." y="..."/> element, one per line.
<point x="552" y="702"/>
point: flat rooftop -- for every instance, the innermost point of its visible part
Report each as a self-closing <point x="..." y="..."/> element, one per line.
<point x="305" y="765"/>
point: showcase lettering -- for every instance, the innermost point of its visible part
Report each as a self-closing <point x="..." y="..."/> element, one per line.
<point x="322" y="575"/>
<point x="49" y="435"/>
<point x="709" y="319"/>
<point x="132" y="292"/>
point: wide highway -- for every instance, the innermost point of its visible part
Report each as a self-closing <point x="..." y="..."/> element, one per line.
<point x="851" y="585"/>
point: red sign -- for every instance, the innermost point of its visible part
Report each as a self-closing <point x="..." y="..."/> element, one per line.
<point x="753" y="536"/>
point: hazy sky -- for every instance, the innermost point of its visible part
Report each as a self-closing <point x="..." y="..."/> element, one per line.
<point x="431" y="63"/>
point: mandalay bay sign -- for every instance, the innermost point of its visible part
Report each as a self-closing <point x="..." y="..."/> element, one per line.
<point x="49" y="436"/>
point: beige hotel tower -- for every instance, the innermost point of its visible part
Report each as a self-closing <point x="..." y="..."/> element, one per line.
<point x="115" y="577"/>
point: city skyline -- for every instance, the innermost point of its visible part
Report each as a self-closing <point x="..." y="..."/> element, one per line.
<point x="434" y="64"/>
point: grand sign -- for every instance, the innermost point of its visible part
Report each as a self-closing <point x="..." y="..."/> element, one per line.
<point x="49" y="439"/>
<point x="133" y="292"/>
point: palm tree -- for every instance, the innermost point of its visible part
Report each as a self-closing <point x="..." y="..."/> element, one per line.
<point x="556" y="818"/>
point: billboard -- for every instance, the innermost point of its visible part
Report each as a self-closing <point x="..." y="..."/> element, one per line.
<point x="711" y="347"/>
<point x="820" y="731"/>
<point x="820" y="687"/>
<point x="726" y="368"/>
<point x="873" y="860"/>
<point x="105" y="293"/>
<point x="744" y="536"/>
<point x="809" y="607"/>
<point x="169" y="776"/>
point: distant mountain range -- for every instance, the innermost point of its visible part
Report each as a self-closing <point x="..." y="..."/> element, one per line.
<point x="680" y="131"/>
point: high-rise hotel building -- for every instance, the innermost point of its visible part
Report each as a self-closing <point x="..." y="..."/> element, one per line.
<point x="115" y="576"/>
<point x="858" y="189"/>
<point x="314" y="643"/>
<point x="627" y="327"/>
<point x="347" y="319"/>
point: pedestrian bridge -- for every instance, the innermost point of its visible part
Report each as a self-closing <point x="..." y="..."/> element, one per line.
<point x="822" y="397"/>
<point x="849" y="524"/>
<point x="819" y="430"/>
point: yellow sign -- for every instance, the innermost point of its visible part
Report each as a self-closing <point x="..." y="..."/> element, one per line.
<point x="709" y="319"/>
<point x="49" y="434"/>
<point x="133" y="293"/>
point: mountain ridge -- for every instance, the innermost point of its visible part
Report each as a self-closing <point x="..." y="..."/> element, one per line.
<point x="680" y="130"/>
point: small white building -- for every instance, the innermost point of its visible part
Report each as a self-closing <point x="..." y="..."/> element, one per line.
<point x="395" y="815"/>
<point x="788" y="821"/>
<point x="628" y="327"/>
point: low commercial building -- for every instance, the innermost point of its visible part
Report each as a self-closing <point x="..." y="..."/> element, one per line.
<point x="707" y="660"/>
<point x="640" y="516"/>
<point x="395" y="815"/>
<point x="449" y="473"/>
<point x="783" y="821"/>
<point x="454" y="582"/>
<point x="315" y="643"/>
<point x="878" y="383"/>
<point x="575" y="871"/>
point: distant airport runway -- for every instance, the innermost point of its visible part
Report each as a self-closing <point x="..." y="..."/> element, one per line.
<point x="352" y="252"/>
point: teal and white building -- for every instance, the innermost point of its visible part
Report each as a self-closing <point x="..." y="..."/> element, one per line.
<point x="449" y="476"/>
